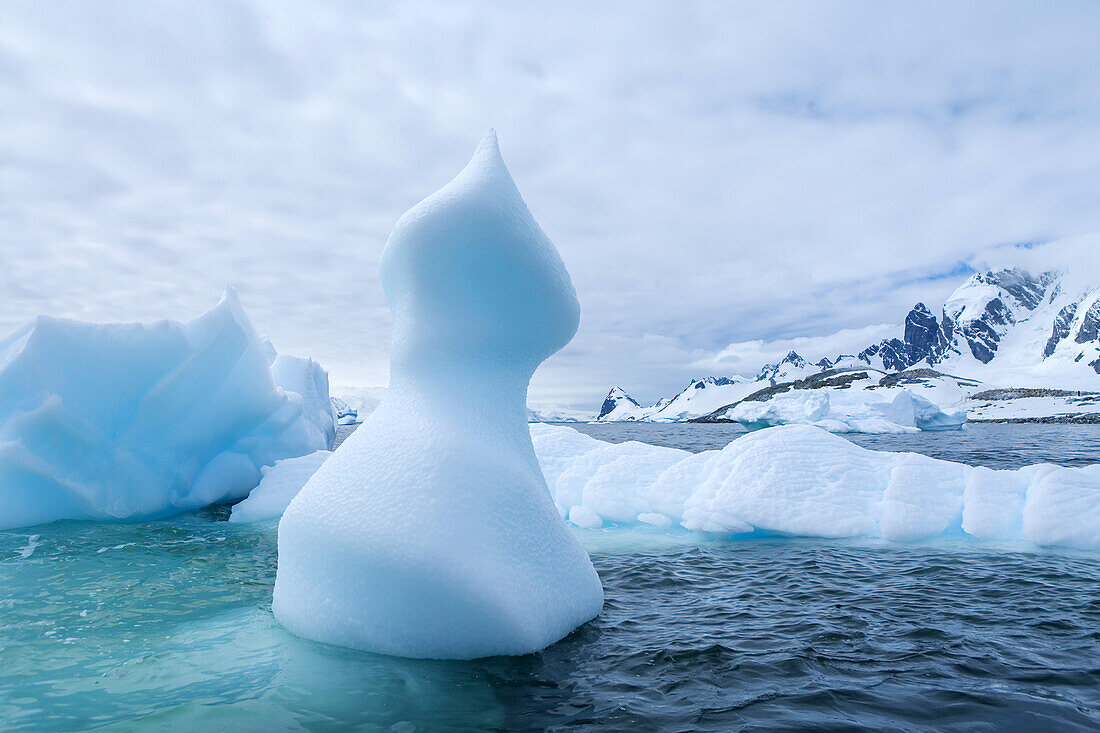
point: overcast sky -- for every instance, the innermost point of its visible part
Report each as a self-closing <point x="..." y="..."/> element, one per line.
<point x="713" y="174"/>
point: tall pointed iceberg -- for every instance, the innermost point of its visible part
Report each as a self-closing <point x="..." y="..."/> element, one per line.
<point x="430" y="532"/>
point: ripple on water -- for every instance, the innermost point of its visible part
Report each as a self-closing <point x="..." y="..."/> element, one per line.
<point x="169" y="624"/>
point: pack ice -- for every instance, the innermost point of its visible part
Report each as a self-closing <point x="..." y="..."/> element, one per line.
<point x="134" y="421"/>
<point x="430" y="532"/>
<point x="801" y="480"/>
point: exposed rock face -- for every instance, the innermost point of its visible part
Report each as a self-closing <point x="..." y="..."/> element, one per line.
<point x="773" y="371"/>
<point x="615" y="398"/>
<point x="1060" y="329"/>
<point x="716" y="381"/>
<point x="924" y="338"/>
<point x="922" y="332"/>
<point x="981" y="333"/>
<point x="971" y="331"/>
<point x="989" y="303"/>
<point x="1090" y="324"/>
<point x="975" y="319"/>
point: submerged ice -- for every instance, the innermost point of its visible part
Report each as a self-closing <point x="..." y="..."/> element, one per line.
<point x="430" y="532"/>
<point x="133" y="421"/>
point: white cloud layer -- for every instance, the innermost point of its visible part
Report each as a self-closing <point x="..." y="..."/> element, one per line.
<point x="745" y="357"/>
<point x="713" y="173"/>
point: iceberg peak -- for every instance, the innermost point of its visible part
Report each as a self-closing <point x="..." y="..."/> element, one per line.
<point x="487" y="157"/>
<point x="468" y="273"/>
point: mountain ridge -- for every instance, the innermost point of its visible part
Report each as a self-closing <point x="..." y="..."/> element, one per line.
<point x="1003" y="328"/>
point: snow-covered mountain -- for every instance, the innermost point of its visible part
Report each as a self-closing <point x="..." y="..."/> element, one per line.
<point x="790" y="367"/>
<point x="1008" y="328"/>
<point x="1000" y="329"/>
<point x="700" y="397"/>
<point x="618" y="406"/>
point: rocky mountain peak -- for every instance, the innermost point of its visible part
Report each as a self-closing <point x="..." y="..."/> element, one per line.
<point x="615" y="398"/>
<point x="794" y="359"/>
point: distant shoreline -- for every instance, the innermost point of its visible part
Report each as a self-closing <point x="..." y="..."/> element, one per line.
<point x="1091" y="418"/>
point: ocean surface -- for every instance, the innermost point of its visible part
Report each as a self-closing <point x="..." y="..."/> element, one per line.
<point x="167" y="625"/>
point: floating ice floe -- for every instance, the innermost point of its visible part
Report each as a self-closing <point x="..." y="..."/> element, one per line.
<point x="430" y="532"/>
<point x="135" y="421"/>
<point x="345" y="413"/>
<point x="280" y="484"/>
<point x="800" y="480"/>
<point x="840" y="400"/>
<point x="849" y="411"/>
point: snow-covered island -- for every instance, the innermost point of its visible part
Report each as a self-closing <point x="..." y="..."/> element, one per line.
<point x="1008" y="346"/>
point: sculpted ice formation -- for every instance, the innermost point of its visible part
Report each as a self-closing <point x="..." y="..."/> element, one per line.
<point x="134" y="421"/>
<point x="430" y="532"/>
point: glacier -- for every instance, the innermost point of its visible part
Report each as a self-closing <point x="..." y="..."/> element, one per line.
<point x="430" y="531"/>
<point x="138" y="421"/>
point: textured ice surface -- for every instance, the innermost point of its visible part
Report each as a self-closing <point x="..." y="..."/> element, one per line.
<point x="131" y="421"/>
<point x="280" y="484"/>
<point x="849" y="411"/>
<point x="430" y="532"/>
<point x="801" y="480"/>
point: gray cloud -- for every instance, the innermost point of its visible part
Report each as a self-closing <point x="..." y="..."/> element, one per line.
<point x="712" y="173"/>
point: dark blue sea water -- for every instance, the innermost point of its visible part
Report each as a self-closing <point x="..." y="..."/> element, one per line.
<point x="167" y="626"/>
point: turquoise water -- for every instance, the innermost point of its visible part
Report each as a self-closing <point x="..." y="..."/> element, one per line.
<point x="167" y="625"/>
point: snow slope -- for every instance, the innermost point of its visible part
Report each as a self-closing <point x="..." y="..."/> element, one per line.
<point x="1031" y="404"/>
<point x="133" y="421"/>
<point x="701" y="397"/>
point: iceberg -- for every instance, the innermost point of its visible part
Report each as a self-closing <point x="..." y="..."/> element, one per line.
<point x="280" y="483"/>
<point x="848" y="411"/>
<point x="430" y="532"/>
<point x="345" y="413"/>
<point x="801" y="480"/>
<point x="138" y="421"/>
<point x="354" y="404"/>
